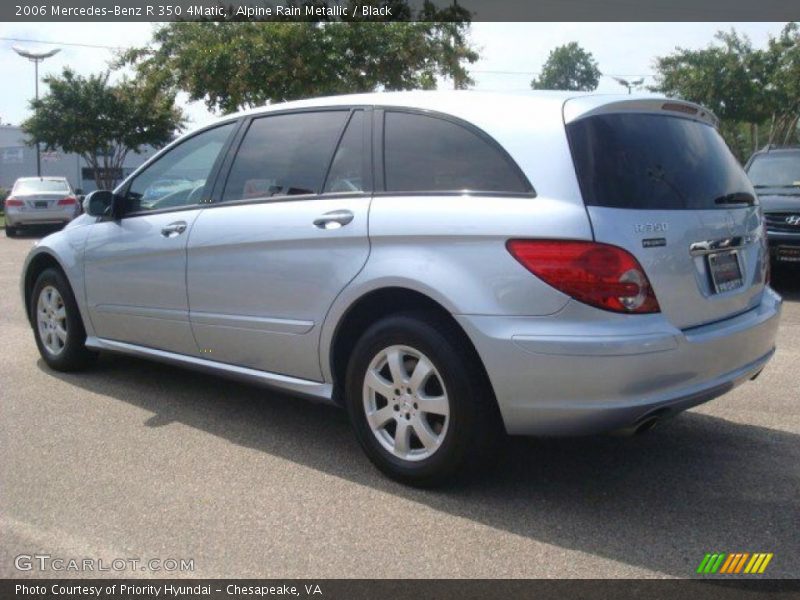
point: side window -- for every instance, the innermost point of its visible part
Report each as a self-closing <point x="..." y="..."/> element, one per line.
<point x="179" y="177"/>
<point x="429" y="154"/>
<point x="347" y="170"/>
<point x="284" y="155"/>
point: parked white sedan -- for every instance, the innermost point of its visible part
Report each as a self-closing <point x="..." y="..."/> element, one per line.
<point x="40" y="201"/>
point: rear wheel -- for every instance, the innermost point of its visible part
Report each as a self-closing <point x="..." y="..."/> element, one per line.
<point x="419" y="401"/>
<point x="57" y="324"/>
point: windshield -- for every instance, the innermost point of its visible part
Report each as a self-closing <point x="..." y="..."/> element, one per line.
<point x="40" y="186"/>
<point x="655" y="162"/>
<point x="775" y="170"/>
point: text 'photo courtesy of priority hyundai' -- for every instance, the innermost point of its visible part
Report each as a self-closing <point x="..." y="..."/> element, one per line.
<point x="450" y="267"/>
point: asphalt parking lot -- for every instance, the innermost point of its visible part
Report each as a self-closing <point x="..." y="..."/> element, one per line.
<point x="137" y="460"/>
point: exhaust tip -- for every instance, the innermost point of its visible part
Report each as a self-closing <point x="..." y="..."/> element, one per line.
<point x="646" y="425"/>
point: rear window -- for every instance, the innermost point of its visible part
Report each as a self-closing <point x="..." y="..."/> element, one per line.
<point x="40" y="186"/>
<point x="655" y="162"/>
<point x="775" y="170"/>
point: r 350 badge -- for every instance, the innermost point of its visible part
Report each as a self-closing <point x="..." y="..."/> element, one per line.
<point x="650" y="227"/>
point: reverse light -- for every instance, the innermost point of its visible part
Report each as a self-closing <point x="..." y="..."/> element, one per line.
<point x="14" y="202"/>
<point x="600" y="275"/>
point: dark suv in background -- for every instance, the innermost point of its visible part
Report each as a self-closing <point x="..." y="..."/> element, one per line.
<point x="775" y="173"/>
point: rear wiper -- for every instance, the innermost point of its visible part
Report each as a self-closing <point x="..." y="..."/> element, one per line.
<point x="736" y="198"/>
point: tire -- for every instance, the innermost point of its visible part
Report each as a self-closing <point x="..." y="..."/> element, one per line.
<point x="10" y="231"/>
<point x="67" y="353"/>
<point x="459" y="443"/>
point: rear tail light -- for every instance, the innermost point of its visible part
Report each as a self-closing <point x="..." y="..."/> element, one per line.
<point x="14" y="202"/>
<point x="600" y="275"/>
<point x="69" y="201"/>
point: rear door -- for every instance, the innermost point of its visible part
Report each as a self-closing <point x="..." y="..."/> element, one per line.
<point x="662" y="184"/>
<point x="267" y="262"/>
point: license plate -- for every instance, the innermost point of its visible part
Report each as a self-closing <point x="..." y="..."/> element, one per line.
<point x="40" y="204"/>
<point x="726" y="274"/>
<point x="788" y="253"/>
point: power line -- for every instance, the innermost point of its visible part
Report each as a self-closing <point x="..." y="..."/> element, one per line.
<point x="10" y="39"/>
<point x="478" y="71"/>
<point x="536" y="73"/>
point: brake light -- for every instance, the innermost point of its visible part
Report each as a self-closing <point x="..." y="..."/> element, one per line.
<point x="68" y="201"/>
<point x="14" y="202"/>
<point x="597" y="274"/>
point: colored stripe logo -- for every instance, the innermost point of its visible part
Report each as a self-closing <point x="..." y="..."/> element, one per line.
<point x="734" y="563"/>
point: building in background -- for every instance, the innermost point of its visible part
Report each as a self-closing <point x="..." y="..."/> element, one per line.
<point x="19" y="160"/>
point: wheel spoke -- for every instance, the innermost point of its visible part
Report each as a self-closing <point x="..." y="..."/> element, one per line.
<point x="402" y="437"/>
<point x="420" y="375"/>
<point x="424" y="433"/>
<point x="61" y="313"/>
<point x="378" y="384"/>
<point x="436" y="405"/>
<point x="395" y="361"/>
<point x="380" y="417"/>
<point x="61" y="333"/>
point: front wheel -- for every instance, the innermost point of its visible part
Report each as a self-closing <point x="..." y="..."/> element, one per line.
<point x="57" y="324"/>
<point x="419" y="401"/>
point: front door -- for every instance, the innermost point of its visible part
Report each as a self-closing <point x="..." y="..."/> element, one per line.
<point x="135" y="267"/>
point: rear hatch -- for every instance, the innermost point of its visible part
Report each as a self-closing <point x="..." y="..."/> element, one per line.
<point x="658" y="180"/>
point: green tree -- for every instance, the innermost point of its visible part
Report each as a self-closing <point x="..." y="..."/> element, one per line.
<point x="231" y="66"/>
<point x="568" y="67"/>
<point x="100" y="121"/>
<point x="755" y="92"/>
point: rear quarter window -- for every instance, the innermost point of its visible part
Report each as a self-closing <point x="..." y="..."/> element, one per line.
<point x="424" y="153"/>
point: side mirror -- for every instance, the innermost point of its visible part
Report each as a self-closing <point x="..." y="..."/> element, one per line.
<point x="102" y="203"/>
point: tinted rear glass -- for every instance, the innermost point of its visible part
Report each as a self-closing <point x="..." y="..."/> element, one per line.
<point x="429" y="154"/>
<point x="775" y="170"/>
<point x="40" y="186"/>
<point x="655" y="162"/>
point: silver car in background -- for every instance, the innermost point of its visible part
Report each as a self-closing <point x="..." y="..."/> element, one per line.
<point x="39" y="201"/>
<point x="448" y="266"/>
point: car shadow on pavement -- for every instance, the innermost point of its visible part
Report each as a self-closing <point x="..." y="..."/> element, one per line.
<point x="658" y="501"/>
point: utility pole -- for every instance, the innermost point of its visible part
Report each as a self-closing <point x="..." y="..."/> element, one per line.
<point x="36" y="58"/>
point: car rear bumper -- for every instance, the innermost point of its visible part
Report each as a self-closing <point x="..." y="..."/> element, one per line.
<point x="569" y="375"/>
<point x="15" y="217"/>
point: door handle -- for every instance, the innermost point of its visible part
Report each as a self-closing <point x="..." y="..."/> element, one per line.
<point x="173" y="229"/>
<point x="333" y="219"/>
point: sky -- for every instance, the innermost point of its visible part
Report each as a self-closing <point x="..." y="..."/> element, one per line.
<point x="511" y="53"/>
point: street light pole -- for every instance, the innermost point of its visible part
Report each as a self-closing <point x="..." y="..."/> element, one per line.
<point x="36" y="58"/>
<point x="628" y="84"/>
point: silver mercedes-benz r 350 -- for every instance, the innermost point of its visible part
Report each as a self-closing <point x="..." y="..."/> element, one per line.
<point x="447" y="266"/>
